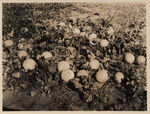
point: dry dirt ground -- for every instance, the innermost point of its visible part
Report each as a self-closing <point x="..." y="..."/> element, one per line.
<point x="61" y="97"/>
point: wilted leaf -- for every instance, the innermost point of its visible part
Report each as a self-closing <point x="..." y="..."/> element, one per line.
<point x="89" y="99"/>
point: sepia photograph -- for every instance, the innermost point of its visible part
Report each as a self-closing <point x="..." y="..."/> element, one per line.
<point x="74" y="56"/>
